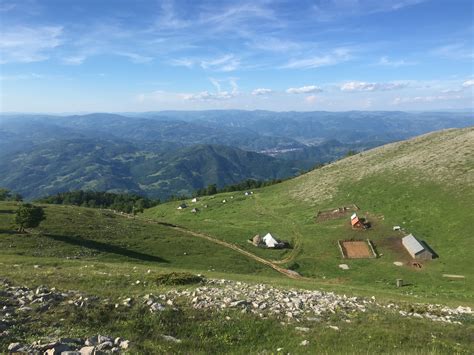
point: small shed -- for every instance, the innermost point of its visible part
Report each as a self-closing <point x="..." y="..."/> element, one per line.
<point x="416" y="249"/>
<point x="182" y="206"/>
<point x="355" y="221"/>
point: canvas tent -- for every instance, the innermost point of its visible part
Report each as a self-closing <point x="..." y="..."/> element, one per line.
<point x="270" y="241"/>
<point x="415" y="248"/>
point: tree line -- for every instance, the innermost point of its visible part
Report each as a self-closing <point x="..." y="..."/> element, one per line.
<point x="128" y="203"/>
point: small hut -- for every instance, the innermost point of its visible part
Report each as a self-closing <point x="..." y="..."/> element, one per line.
<point x="356" y="222"/>
<point x="417" y="250"/>
<point x="257" y="240"/>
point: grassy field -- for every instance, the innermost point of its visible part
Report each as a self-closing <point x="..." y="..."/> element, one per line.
<point x="104" y="254"/>
<point x="414" y="198"/>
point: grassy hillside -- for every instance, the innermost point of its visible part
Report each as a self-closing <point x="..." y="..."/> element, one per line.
<point x="424" y="185"/>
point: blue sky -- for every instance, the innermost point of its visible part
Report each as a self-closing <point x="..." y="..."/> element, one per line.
<point x="147" y="55"/>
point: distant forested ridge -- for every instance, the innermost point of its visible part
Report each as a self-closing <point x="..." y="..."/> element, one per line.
<point x="175" y="153"/>
<point x="128" y="203"/>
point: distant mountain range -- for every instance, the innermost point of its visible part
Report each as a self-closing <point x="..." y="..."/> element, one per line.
<point x="176" y="152"/>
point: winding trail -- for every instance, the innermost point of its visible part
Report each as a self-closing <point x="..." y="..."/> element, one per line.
<point x="289" y="273"/>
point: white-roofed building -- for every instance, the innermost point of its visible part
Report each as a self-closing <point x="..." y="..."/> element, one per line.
<point x="415" y="248"/>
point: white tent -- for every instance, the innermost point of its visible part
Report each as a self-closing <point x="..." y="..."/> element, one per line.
<point x="354" y="215"/>
<point x="270" y="241"/>
<point x="194" y="199"/>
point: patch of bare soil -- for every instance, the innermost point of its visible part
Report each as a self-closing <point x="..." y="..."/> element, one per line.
<point x="335" y="213"/>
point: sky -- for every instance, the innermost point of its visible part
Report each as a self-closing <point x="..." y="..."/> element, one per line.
<point x="61" y="56"/>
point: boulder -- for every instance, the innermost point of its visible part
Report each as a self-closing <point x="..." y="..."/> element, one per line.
<point x="13" y="347"/>
<point x="87" y="350"/>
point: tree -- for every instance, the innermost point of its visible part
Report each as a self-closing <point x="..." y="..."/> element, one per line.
<point x="28" y="216"/>
<point x="7" y="195"/>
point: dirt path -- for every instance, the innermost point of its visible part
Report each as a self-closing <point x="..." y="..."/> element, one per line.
<point x="289" y="273"/>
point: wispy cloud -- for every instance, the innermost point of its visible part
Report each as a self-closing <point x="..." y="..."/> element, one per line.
<point x="311" y="99"/>
<point x="425" y="99"/>
<point x="134" y="57"/>
<point x="358" y="86"/>
<point x="386" y="61"/>
<point x="29" y="44"/>
<point x="457" y="51"/>
<point x="16" y="77"/>
<point x="261" y="92"/>
<point x="304" y="90"/>
<point x="336" y="56"/>
<point x="225" y="63"/>
<point x="331" y="10"/>
<point x="74" y="60"/>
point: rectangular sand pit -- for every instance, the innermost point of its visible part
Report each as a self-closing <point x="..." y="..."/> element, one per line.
<point x="357" y="249"/>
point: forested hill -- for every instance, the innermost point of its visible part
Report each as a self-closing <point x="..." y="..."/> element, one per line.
<point x="109" y="165"/>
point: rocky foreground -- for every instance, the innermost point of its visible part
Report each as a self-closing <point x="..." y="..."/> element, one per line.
<point x="289" y="305"/>
<point x="297" y="305"/>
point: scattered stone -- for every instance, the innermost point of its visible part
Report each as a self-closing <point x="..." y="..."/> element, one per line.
<point x="344" y="266"/>
<point x="304" y="342"/>
<point x="171" y="338"/>
<point x="87" y="350"/>
<point x="302" y="329"/>
<point x="13" y="347"/>
<point x="125" y="344"/>
<point x="334" y="327"/>
<point x="398" y="263"/>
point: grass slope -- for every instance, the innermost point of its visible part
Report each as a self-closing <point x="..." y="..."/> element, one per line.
<point x="103" y="254"/>
<point x="424" y="184"/>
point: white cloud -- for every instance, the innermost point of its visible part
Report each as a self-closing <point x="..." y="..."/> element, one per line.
<point x="468" y="83"/>
<point x="386" y="61"/>
<point x="218" y="95"/>
<point x="357" y="86"/>
<point x="29" y="44"/>
<point x="336" y="56"/>
<point x="261" y="91"/>
<point x="425" y="99"/>
<point x="206" y="95"/>
<point x="304" y="90"/>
